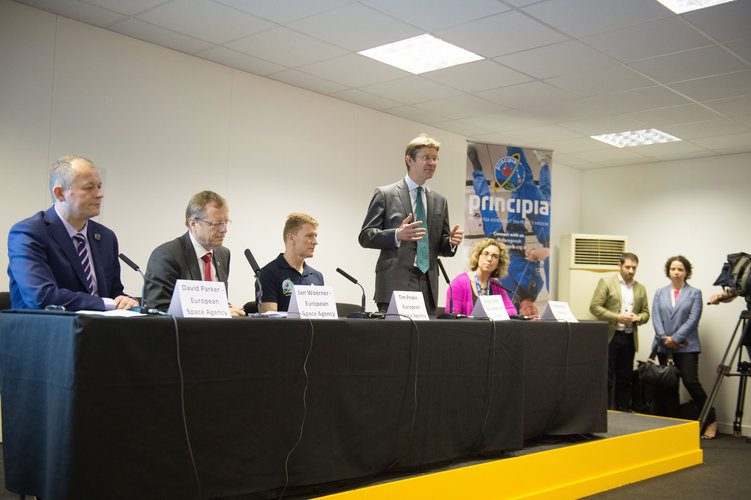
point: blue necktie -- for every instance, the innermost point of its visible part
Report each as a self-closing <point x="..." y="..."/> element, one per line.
<point x="83" y="257"/>
<point x="423" y="245"/>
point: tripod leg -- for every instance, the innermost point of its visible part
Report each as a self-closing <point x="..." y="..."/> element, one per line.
<point x="723" y="370"/>
<point x="737" y="423"/>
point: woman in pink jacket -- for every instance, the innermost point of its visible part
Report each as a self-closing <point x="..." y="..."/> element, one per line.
<point x="488" y="263"/>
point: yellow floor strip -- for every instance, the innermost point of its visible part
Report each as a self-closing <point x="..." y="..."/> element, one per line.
<point x="571" y="471"/>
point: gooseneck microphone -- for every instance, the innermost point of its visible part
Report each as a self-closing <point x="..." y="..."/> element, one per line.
<point x="450" y="314"/>
<point x="256" y="272"/>
<point x="135" y="267"/>
<point x="361" y="314"/>
<point x="497" y="282"/>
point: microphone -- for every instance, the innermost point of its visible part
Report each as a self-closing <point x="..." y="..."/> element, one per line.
<point x="137" y="269"/>
<point x="361" y="314"/>
<point x="450" y="314"/>
<point x="497" y="282"/>
<point x="256" y="271"/>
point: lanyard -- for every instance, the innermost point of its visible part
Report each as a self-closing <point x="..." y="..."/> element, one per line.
<point x="479" y="288"/>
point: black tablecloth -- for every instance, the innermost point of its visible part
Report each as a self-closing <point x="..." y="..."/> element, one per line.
<point x="92" y="405"/>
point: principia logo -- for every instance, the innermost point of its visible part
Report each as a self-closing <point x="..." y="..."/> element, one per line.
<point x="287" y="286"/>
<point x="509" y="174"/>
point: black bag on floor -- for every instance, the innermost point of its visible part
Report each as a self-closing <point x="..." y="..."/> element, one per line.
<point x="650" y="372"/>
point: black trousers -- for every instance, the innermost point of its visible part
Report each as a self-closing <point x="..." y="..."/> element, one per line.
<point x="418" y="282"/>
<point x="621" y="369"/>
<point x="667" y="401"/>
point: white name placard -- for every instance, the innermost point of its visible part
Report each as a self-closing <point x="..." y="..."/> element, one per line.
<point x="405" y="305"/>
<point x="490" y="306"/>
<point x="312" y="302"/>
<point x="199" y="299"/>
<point x="559" y="311"/>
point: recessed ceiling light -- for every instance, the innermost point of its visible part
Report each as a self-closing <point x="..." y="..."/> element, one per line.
<point x="421" y="54"/>
<point x="681" y="6"/>
<point x="635" y="138"/>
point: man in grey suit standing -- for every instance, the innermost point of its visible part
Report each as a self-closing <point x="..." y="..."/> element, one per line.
<point x="409" y="223"/>
<point x="196" y="255"/>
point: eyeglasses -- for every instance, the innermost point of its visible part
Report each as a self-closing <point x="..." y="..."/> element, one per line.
<point x="491" y="256"/>
<point x="428" y="158"/>
<point x="224" y="223"/>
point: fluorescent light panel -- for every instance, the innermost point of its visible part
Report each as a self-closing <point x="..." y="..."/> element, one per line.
<point x="421" y="54"/>
<point x="681" y="6"/>
<point x="635" y="138"/>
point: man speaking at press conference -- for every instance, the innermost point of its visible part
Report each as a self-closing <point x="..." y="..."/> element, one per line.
<point x="409" y="223"/>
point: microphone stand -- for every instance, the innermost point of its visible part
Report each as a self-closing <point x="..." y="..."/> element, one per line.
<point x="360" y="314"/>
<point x="256" y="272"/>
<point x="450" y="314"/>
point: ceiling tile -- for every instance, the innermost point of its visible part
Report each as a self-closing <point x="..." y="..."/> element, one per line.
<point x="567" y="110"/>
<point x="607" y="80"/>
<point x="306" y="81"/>
<point x="286" y="47"/>
<point x="586" y="17"/>
<point x="371" y="101"/>
<point x="691" y="131"/>
<point x="655" y="38"/>
<point x="354" y="70"/>
<point x="412" y="90"/>
<point x="695" y="63"/>
<point x="129" y="8"/>
<point x="417" y="115"/>
<point x="605" y="125"/>
<point x="476" y="76"/>
<point x="355" y="27"/>
<point x="508" y="121"/>
<point x="462" y="106"/>
<point x="741" y="48"/>
<point x="526" y="95"/>
<point x="210" y="21"/>
<point x="664" y="117"/>
<point x="244" y="62"/>
<point x="642" y="99"/>
<point x="283" y="11"/>
<point x="724" y="23"/>
<point x="563" y="58"/>
<point x="80" y="11"/>
<point x="501" y="34"/>
<point x="733" y="106"/>
<point x="462" y="128"/>
<point x="160" y="36"/>
<point x="431" y="15"/>
<point x="716" y="87"/>
<point x="735" y="143"/>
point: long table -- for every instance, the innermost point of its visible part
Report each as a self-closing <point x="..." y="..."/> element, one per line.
<point x="102" y="407"/>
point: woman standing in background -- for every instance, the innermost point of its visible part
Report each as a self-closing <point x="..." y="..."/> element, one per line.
<point x="676" y="312"/>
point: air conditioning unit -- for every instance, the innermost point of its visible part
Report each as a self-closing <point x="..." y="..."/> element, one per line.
<point x="583" y="260"/>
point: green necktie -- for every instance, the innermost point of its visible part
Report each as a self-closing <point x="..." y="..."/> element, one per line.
<point x="423" y="245"/>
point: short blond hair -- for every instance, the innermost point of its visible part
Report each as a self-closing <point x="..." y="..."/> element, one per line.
<point x="295" y="221"/>
<point x="416" y="144"/>
<point x="503" y="260"/>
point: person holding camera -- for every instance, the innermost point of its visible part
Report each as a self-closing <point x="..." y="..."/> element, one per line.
<point x="676" y="310"/>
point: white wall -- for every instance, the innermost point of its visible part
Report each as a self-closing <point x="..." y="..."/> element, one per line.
<point x="697" y="208"/>
<point x="161" y="126"/>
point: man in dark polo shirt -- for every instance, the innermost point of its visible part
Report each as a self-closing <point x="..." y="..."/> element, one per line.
<point x="279" y="277"/>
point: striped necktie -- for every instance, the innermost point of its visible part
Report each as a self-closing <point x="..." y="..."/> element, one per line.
<point x="83" y="256"/>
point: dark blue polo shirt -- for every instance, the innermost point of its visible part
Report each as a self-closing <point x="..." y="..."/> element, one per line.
<point x="278" y="279"/>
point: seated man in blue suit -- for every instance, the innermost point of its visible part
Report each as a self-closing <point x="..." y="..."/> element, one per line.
<point x="60" y="257"/>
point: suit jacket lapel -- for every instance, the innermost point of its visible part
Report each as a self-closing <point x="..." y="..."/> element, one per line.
<point x="60" y="235"/>
<point x="191" y="259"/>
<point x="403" y="194"/>
<point x="219" y="266"/>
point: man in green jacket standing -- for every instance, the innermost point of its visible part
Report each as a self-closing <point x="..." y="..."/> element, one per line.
<point x="622" y="302"/>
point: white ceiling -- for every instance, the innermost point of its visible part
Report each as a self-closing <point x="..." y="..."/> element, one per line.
<point x="556" y="71"/>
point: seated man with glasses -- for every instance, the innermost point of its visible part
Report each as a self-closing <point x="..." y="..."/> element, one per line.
<point x="196" y="255"/>
<point x="280" y="276"/>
